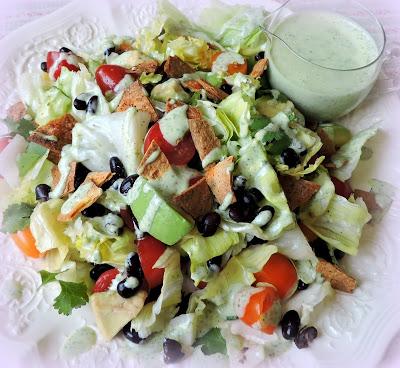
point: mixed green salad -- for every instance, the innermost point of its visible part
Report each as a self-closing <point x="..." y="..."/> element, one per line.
<point x="162" y="181"/>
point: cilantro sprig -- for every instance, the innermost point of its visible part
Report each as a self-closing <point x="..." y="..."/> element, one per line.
<point x="22" y="127"/>
<point x="276" y="142"/>
<point x="73" y="295"/>
<point x="16" y="217"/>
<point x="212" y="342"/>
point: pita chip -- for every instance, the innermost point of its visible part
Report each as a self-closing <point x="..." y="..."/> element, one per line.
<point x="154" y="163"/>
<point x="298" y="191"/>
<point x="336" y="276"/>
<point x="258" y="68"/>
<point x="174" y="67"/>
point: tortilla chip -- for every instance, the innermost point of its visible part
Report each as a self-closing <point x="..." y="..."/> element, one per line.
<point x="328" y="146"/>
<point x="197" y="200"/>
<point x="219" y="179"/>
<point x="203" y="137"/>
<point x="81" y="199"/>
<point x="135" y="96"/>
<point x="298" y="191"/>
<point x="54" y="136"/>
<point x="336" y="276"/>
<point x="259" y="67"/>
<point x="157" y="167"/>
<point x="174" y="67"/>
<point x="99" y="177"/>
<point x="17" y="111"/>
<point x="148" y="66"/>
<point x="212" y="92"/>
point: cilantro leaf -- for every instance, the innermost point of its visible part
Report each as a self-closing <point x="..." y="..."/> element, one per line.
<point x="212" y="342"/>
<point x="258" y="123"/>
<point x="16" y="217"/>
<point x="22" y="127"/>
<point x="47" y="276"/>
<point x="276" y="142"/>
<point x="196" y="96"/>
<point x="28" y="159"/>
<point x="73" y="295"/>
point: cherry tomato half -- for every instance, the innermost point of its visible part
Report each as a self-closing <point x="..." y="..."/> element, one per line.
<point x="263" y="309"/>
<point x="25" y="241"/>
<point x="232" y="68"/>
<point x="53" y="57"/>
<point x="180" y="154"/>
<point x="108" y="76"/>
<point x="104" y="281"/>
<point x="342" y="188"/>
<point x="150" y="250"/>
<point x="280" y="272"/>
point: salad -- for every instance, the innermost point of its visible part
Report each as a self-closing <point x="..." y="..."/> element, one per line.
<point x="162" y="181"/>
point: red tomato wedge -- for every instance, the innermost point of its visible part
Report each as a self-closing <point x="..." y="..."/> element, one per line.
<point x="263" y="309"/>
<point x="104" y="281"/>
<point x="108" y="76"/>
<point x="280" y="272"/>
<point x="53" y="58"/>
<point x="25" y="241"/>
<point x="180" y="154"/>
<point x="232" y="68"/>
<point x="150" y="250"/>
<point x="342" y="188"/>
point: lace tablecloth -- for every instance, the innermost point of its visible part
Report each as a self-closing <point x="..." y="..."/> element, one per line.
<point x="20" y="12"/>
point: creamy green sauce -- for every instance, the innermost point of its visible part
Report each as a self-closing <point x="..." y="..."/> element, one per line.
<point x="77" y="196"/>
<point x="332" y="41"/>
<point x="220" y="65"/>
<point x="146" y="222"/>
<point x="79" y="342"/>
<point x="212" y="156"/>
<point x="174" y="125"/>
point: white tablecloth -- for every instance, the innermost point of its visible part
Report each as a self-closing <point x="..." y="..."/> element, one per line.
<point x="20" y="12"/>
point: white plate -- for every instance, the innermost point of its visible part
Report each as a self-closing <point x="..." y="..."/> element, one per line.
<point x="354" y="331"/>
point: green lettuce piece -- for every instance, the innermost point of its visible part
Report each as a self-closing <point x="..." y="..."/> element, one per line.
<point x="155" y="316"/>
<point x="54" y="105"/>
<point x="97" y="239"/>
<point x="319" y="203"/>
<point x="254" y="165"/>
<point x="347" y="157"/>
<point x="201" y="249"/>
<point x="152" y="78"/>
<point x="243" y="83"/>
<point x="338" y="134"/>
<point x="341" y="224"/>
<point x="129" y="59"/>
<point x="29" y="158"/>
<point x="171" y="89"/>
<point x="213" y="78"/>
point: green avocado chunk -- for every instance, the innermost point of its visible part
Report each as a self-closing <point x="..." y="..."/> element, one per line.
<point x="155" y="215"/>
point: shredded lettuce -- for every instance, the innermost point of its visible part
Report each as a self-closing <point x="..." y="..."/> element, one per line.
<point x="347" y="157"/>
<point x="171" y="89"/>
<point x="54" y="104"/>
<point x="155" y="316"/>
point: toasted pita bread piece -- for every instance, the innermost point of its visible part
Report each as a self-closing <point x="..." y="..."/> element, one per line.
<point x="148" y="66"/>
<point x="54" y="136"/>
<point x="154" y="163"/>
<point x="17" y="111"/>
<point x="174" y="67"/>
<point x="172" y="104"/>
<point x="336" y="276"/>
<point x="70" y="184"/>
<point x="192" y="112"/>
<point x="259" y="67"/>
<point x="328" y="146"/>
<point x="124" y="46"/>
<point x="298" y="191"/>
<point x="197" y="200"/>
<point x="219" y="179"/>
<point x="82" y="198"/>
<point x="99" y="177"/>
<point x="212" y="92"/>
<point x="135" y="96"/>
<point x="203" y="137"/>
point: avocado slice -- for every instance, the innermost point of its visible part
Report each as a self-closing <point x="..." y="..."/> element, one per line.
<point x="155" y="215"/>
<point x="112" y="312"/>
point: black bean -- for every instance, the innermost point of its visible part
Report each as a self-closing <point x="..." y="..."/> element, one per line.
<point x="134" y="267"/>
<point x="208" y="224"/>
<point x="226" y="88"/>
<point x="80" y="104"/>
<point x="153" y="294"/>
<point x="257" y="194"/>
<point x="239" y="213"/>
<point x="172" y="351"/>
<point x="124" y="291"/>
<point x="128" y="218"/>
<point x="290" y="324"/>
<point x="80" y="174"/>
<point x="248" y="199"/>
<point x="127" y="184"/>
<point x="109" y="51"/>
<point x="183" y="305"/>
<point x="43" y="66"/>
<point x="42" y="192"/>
<point x="65" y="49"/>
<point x="92" y="105"/>
<point x="131" y="334"/>
<point x="239" y="182"/>
<point x="259" y="56"/>
<point x="290" y="157"/>
<point x="214" y="264"/>
<point x="117" y="167"/>
<point x="302" y="285"/>
<point x="321" y="249"/>
<point x="256" y="241"/>
<point x="95" y="210"/>
<point x="98" y="270"/>
<point x="339" y="254"/>
<point x="305" y="336"/>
